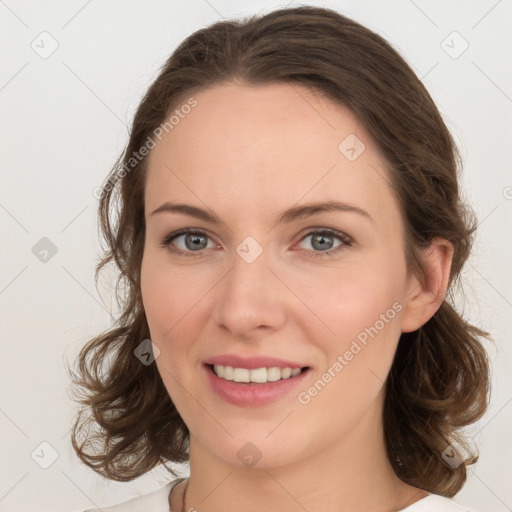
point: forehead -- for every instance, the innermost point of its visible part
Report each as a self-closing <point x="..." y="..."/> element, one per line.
<point x="266" y="144"/>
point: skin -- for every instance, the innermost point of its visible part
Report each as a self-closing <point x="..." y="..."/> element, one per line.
<point x="248" y="153"/>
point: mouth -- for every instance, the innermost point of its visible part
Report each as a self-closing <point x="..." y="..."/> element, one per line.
<point x="255" y="376"/>
<point x="254" y="387"/>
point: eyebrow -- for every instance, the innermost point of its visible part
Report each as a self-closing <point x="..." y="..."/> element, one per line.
<point x="290" y="215"/>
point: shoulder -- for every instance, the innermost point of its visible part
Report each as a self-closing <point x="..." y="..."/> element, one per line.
<point x="435" y="503"/>
<point x="156" y="501"/>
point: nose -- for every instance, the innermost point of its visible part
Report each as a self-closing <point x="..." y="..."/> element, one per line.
<point x="250" y="299"/>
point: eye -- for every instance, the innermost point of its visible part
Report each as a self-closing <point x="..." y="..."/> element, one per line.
<point x="323" y="242"/>
<point x="191" y="242"/>
<point x="187" y="241"/>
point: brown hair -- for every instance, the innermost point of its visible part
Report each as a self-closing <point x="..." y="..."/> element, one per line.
<point x="439" y="380"/>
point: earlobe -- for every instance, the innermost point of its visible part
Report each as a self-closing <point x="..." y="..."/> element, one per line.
<point x="423" y="299"/>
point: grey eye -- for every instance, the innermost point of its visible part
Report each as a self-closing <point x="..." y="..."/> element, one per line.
<point x="193" y="241"/>
<point x="322" y="241"/>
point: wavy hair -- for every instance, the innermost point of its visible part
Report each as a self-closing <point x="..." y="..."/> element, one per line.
<point x="439" y="380"/>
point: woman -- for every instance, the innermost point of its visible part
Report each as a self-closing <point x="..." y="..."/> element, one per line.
<point x="288" y="229"/>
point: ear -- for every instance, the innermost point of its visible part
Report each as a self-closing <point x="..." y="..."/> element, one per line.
<point x="424" y="299"/>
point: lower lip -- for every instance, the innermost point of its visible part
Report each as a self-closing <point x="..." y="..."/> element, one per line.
<point x="252" y="394"/>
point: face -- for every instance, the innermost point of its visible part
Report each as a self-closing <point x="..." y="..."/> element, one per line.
<point x="263" y="275"/>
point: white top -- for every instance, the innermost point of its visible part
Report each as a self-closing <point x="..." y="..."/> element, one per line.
<point x="158" y="501"/>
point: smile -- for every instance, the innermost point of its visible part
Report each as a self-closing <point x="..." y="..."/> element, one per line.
<point x="258" y="375"/>
<point x="255" y="387"/>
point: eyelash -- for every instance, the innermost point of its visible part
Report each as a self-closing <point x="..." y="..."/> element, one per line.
<point x="345" y="240"/>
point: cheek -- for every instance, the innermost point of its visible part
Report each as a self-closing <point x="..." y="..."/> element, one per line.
<point x="352" y="299"/>
<point x="364" y="315"/>
<point x="172" y="303"/>
<point x="360" y="310"/>
<point x="170" y="295"/>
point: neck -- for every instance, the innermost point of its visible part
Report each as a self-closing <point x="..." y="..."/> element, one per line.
<point x="353" y="475"/>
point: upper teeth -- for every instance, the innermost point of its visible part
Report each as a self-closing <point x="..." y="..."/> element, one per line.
<point x="258" y="375"/>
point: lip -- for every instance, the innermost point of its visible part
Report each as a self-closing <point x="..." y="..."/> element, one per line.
<point x="252" y="363"/>
<point x="252" y="394"/>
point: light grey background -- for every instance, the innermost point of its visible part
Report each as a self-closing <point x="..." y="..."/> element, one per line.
<point x="64" y="121"/>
